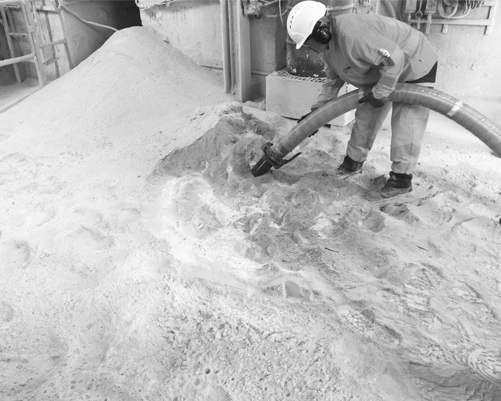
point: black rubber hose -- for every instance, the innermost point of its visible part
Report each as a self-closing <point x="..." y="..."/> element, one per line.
<point x="456" y="110"/>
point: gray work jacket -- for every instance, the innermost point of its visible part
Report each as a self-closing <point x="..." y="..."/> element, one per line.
<point x="369" y="50"/>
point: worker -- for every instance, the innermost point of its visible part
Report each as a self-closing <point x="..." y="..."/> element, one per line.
<point x="373" y="53"/>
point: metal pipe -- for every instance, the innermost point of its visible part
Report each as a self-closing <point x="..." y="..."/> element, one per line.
<point x="243" y="51"/>
<point x="456" y="110"/>
<point x="54" y="43"/>
<point x="86" y="21"/>
<point x="15" y="60"/>
<point x="225" y="36"/>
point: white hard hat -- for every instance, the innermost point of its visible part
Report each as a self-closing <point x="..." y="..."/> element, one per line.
<point x="302" y="18"/>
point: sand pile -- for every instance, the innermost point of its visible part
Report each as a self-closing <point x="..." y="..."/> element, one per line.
<point x="140" y="260"/>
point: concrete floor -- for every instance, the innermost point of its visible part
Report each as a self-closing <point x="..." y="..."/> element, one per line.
<point x="11" y="94"/>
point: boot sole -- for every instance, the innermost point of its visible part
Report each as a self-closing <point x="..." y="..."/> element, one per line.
<point x="344" y="175"/>
<point x="396" y="192"/>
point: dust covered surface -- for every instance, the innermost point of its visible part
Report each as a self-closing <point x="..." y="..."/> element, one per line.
<point x="140" y="260"/>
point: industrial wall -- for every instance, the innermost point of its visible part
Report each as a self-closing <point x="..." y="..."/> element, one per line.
<point x="469" y="59"/>
<point x="195" y="28"/>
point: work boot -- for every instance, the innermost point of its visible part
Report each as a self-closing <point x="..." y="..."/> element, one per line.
<point x="349" y="167"/>
<point x="397" y="184"/>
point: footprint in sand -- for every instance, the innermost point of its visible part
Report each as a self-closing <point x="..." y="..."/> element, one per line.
<point x="403" y="211"/>
<point x="10" y="165"/>
<point x="91" y="239"/>
<point x="365" y="323"/>
<point x="487" y="363"/>
<point x="419" y="288"/>
<point x="15" y="254"/>
<point x="287" y="287"/>
<point x="430" y="353"/>
<point x="418" y="291"/>
<point x="87" y="227"/>
<point x="26" y="365"/>
<point x="14" y="160"/>
<point x="89" y="217"/>
<point x="128" y="215"/>
<point x="43" y="213"/>
<point x="51" y="185"/>
<point x="374" y="221"/>
<point x="197" y="207"/>
<point x="4" y="136"/>
<point x="6" y="313"/>
<point x="474" y="304"/>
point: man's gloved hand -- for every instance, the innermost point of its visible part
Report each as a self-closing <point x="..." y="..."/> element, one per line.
<point x="373" y="101"/>
<point x="303" y="117"/>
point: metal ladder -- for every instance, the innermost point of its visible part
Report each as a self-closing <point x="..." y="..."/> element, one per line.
<point x="31" y="19"/>
<point x="42" y="10"/>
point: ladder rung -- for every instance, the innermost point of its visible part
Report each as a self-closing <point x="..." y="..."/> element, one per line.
<point x="17" y="34"/>
<point x="55" y="43"/>
<point x="48" y="9"/>
<point x="50" y="61"/>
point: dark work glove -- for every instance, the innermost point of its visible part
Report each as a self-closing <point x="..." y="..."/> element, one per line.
<point x="303" y="117"/>
<point x="373" y="101"/>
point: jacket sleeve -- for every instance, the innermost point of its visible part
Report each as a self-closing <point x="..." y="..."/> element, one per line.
<point x="330" y="87"/>
<point x="391" y="66"/>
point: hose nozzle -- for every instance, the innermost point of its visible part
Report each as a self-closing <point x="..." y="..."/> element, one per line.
<point x="271" y="158"/>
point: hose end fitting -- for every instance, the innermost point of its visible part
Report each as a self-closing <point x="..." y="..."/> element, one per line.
<point x="271" y="158"/>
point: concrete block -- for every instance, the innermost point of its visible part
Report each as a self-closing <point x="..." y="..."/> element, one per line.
<point x="292" y="96"/>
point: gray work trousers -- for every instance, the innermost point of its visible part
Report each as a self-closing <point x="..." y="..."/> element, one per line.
<point x="408" y="125"/>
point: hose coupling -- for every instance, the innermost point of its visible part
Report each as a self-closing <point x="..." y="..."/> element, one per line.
<point x="274" y="157"/>
<point x="271" y="158"/>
